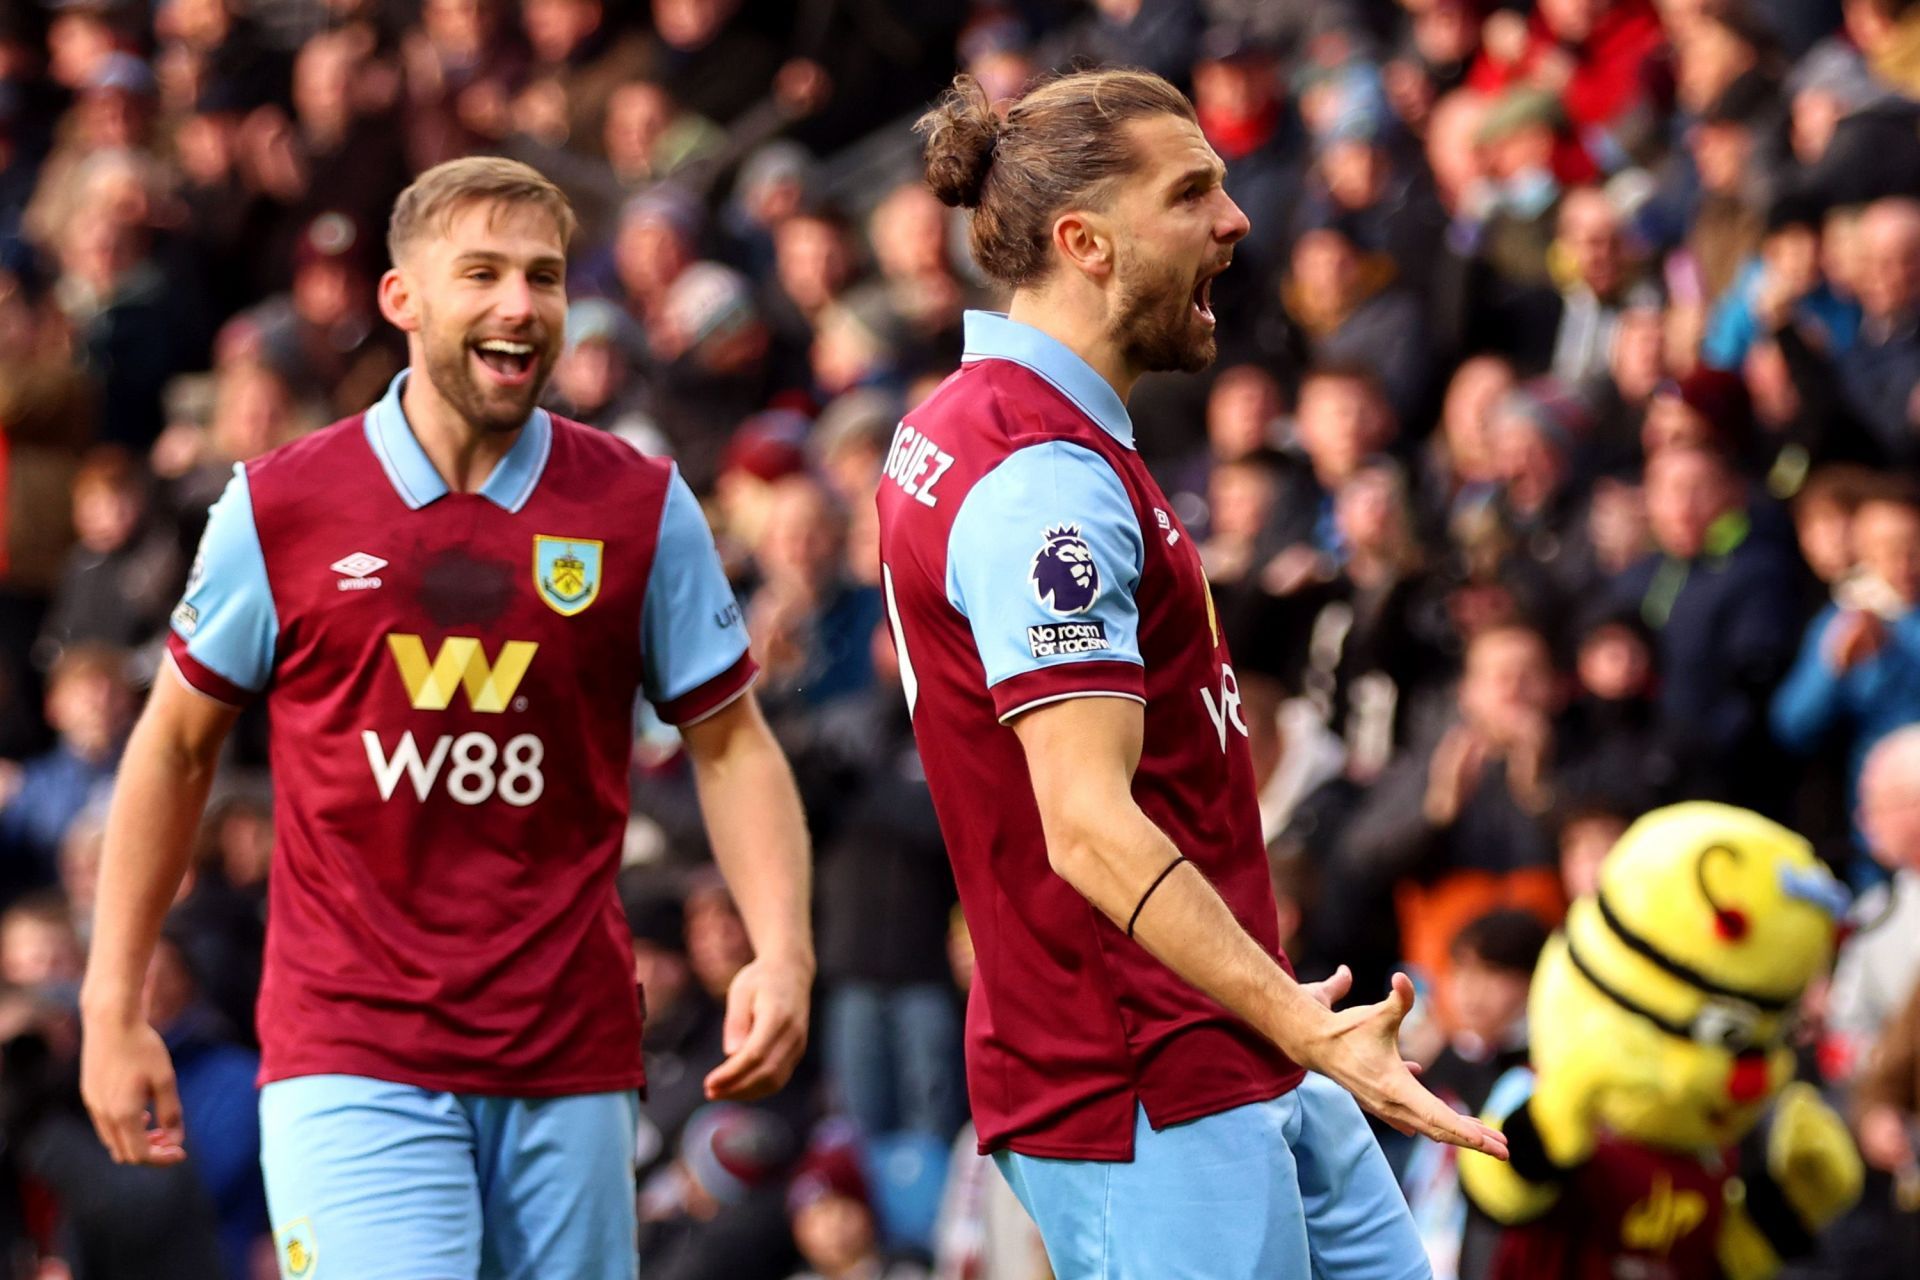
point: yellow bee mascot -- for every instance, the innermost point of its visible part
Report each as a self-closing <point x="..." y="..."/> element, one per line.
<point x="1661" y="1018"/>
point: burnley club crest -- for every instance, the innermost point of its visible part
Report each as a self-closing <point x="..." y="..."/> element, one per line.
<point x="566" y="572"/>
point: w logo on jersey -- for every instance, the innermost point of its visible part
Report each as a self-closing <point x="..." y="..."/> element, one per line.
<point x="460" y="663"/>
<point x="1065" y="578"/>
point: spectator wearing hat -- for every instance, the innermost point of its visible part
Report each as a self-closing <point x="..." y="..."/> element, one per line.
<point x="1853" y="135"/>
<point x="658" y="237"/>
<point x="1343" y="306"/>
<point x="1492" y="289"/>
<point x="1243" y="116"/>
<point x="1535" y="433"/>
<point x="833" y="1219"/>
<point x="1589" y="54"/>
<point x="1358" y="177"/>
<point x="324" y="336"/>
<point x="718" y="1212"/>
<point x="1722" y="600"/>
<point x="595" y="379"/>
<point x="710" y="356"/>
<point x="773" y="185"/>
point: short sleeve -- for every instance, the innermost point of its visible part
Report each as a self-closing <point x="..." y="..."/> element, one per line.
<point x="225" y="626"/>
<point x="693" y="640"/>
<point x="1044" y="559"/>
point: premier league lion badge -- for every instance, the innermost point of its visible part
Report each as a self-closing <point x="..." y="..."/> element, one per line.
<point x="1065" y="578"/>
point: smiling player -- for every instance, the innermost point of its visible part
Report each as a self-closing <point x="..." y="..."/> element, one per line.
<point x="1136" y="1041"/>
<point x="450" y="603"/>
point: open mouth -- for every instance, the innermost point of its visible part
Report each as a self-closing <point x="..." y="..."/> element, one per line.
<point x="509" y="363"/>
<point x="1203" y="296"/>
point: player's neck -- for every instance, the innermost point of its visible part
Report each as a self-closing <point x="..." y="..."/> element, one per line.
<point x="463" y="454"/>
<point x="1081" y="330"/>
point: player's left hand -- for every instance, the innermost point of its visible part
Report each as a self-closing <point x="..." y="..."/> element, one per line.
<point x="765" y="1032"/>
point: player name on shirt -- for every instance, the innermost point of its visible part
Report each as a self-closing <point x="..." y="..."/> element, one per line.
<point x="916" y="463"/>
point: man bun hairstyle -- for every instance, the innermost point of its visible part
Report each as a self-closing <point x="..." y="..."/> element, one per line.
<point x="1059" y="146"/>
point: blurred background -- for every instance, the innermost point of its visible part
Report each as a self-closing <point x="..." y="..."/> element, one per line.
<point x="1560" y="461"/>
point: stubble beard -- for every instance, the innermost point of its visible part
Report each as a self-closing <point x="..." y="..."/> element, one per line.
<point x="1157" y="327"/>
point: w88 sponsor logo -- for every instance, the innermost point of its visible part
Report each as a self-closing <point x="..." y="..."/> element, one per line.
<point x="472" y="767"/>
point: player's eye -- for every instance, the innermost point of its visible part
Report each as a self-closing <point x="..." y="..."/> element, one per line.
<point x="480" y="275"/>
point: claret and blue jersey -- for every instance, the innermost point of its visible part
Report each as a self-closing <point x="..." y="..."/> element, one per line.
<point x="1029" y="557"/>
<point x="451" y="680"/>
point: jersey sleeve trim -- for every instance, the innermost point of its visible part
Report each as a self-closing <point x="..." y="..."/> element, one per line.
<point x="691" y="629"/>
<point x="1106" y="678"/>
<point x="202" y="679"/>
<point x="713" y="696"/>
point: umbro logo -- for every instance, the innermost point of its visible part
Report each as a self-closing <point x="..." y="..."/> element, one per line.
<point x="358" y="569"/>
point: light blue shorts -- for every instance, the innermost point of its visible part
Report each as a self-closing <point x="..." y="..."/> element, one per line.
<point x="1292" y="1189"/>
<point x="370" y="1180"/>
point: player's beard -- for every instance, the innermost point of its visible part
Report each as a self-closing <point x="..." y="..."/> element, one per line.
<point x="1159" y="330"/>
<point x="490" y="409"/>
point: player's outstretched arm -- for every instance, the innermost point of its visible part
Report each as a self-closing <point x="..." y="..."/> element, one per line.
<point x="759" y="838"/>
<point x="1081" y="755"/>
<point x="157" y="801"/>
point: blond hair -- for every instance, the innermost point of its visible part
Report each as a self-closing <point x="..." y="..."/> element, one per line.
<point x="429" y="205"/>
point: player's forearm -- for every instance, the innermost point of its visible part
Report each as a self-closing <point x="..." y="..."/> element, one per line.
<point x="1113" y="858"/>
<point x="158" y="798"/>
<point x="757" y="830"/>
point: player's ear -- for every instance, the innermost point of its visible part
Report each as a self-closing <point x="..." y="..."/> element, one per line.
<point x="398" y="302"/>
<point x="1085" y="240"/>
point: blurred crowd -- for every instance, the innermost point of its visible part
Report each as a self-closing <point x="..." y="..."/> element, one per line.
<point x="1561" y="461"/>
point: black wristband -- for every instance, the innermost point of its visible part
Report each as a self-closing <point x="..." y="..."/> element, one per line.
<point x="1526" y="1153"/>
<point x="1135" y="917"/>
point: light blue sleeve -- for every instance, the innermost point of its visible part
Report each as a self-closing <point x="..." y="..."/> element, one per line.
<point x="1044" y="558"/>
<point x="226" y="619"/>
<point x="691" y="629"/>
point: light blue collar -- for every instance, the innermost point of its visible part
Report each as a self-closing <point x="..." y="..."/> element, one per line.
<point x="992" y="336"/>
<point x="412" y="473"/>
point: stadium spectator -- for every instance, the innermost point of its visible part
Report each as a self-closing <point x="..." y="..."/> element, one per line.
<point x="833" y="1219"/>
<point x="1879" y="964"/>
<point x="90" y="707"/>
<point x="39" y="947"/>
<point x="125" y="570"/>
<point x="718" y="1211"/>
<point x="1721" y="599"/>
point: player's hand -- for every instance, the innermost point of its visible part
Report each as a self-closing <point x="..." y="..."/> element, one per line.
<point x="1359" y="1049"/>
<point x="765" y="1033"/>
<point x="125" y="1077"/>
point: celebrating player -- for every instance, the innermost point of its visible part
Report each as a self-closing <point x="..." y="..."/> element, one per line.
<point x="449" y="603"/>
<point x="1136" y="1041"/>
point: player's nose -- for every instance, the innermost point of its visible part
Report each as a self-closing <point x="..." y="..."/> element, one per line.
<point x="513" y="300"/>
<point x="1233" y="224"/>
